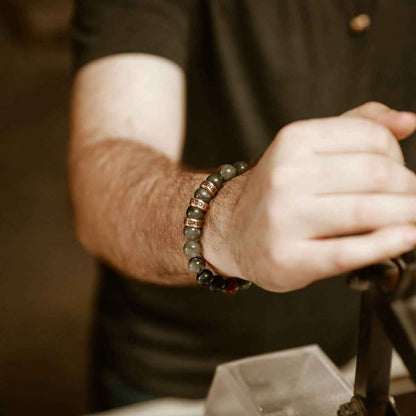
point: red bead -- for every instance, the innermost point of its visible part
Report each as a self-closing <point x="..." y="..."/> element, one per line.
<point x="231" y="286"/>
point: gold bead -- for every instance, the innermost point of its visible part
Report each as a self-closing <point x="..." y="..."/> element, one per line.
<point x="192" y="222"/>
<point x="199" y="203"/>
<point x="360" y="23"/>
<point x="210" y="187"/>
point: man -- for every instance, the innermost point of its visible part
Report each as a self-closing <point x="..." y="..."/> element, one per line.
<point x="166" y="91"/>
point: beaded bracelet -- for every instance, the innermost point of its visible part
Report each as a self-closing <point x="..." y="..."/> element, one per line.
<point x="194" y="222"/>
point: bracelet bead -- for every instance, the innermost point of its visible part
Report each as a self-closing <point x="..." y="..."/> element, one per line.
<point x="192" y="230"/>
<point x="199" y="203"/>
<point x="195" y="213"/>
<point x="196" y="265"/>
<point x="243" y="284"/>
<point x="216" y="179"/>
<point x="191" y="233"/>
<point x="228" y="172"/>
<point x="192" y="249"/>
<point x="203" y="194"/>
<point x="192" y="222"/>
<point x="231" y="286"/>
<point x="218" y="284"/>
<point x="205" y="278"/>
<point x="210" y="187"/>
<point x="241" y="167"/>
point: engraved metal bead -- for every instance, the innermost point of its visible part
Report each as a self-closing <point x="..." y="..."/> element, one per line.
<point x="192" y="222"/>
<point x="210" y="187"/>
<point x="199" y="203"/>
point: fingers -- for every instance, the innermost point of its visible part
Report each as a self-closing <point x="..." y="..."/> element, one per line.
<point x="401" y="123"/>
<point x="354" y="172"/>
<point x="334" y="256"/>
<point x="337" y="196"/>
<point x="299" y="140"/>
<point x="341" y="214"/>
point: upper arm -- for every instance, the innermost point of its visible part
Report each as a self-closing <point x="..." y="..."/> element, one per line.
<point x="132" y="96"/>
<point x="131" y="57"/>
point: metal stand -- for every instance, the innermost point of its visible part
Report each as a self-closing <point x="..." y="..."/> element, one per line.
<point x="387" y="318"/>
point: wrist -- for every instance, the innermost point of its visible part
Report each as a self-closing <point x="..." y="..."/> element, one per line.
<point x="218" y="238"/>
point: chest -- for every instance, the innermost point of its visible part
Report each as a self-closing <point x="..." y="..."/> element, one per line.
<point x="302" y="53"/>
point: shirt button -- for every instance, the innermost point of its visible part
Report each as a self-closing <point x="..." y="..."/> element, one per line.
<point x="360" y="23"/>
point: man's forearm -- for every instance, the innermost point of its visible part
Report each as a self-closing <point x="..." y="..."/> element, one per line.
<point x="129" y="202"/>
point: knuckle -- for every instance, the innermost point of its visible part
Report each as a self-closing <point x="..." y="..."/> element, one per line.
<point x="384" y="137"/>
<point x="373" y="107"/>
<point x="288" y="128"/>
<point x="383" y="140"/>
<point x="379" y="135"/>
<point x="388" y="143"/>
<point x="395" y="149"/>
<point x="290" y="132"/>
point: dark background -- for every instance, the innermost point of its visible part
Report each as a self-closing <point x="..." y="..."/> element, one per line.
<point x="46" y="280"/>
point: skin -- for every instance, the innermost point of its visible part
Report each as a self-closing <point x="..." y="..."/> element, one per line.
<point x="328" y="196"/>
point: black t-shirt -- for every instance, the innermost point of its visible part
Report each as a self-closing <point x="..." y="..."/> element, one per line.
<point x="251" y="67"/>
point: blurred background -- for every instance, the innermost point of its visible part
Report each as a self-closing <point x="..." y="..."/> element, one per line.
<point x="47" y="281"/>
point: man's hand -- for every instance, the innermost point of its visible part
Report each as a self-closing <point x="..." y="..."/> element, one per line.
<point x="328" y="196"/>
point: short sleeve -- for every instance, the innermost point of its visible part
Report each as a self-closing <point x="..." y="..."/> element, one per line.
<point x="105" y="27"/>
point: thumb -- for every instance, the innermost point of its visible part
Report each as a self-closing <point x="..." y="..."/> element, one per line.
<point x="401" y="123"/>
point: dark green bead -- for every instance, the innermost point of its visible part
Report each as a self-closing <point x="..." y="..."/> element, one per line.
<point x="228" y="172"/>
<point x="192" y="249"/>
<point x="203" y="194"/>
<point x="196" y="265"/>
<point x="205" y="278"/>
<point x="193" y="212"/>
<point x="216" y="179"/>
<point x="241" y="167"/>
<point x="218" y="284"/>
<point x="243" y="284"/>
<point x="191" y="233"/>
